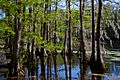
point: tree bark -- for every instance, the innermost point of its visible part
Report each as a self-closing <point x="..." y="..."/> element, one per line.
<point x="70" y="40"/>
<point x="64" y="54"/>
<point x="45" y="37"/>
<point x="17" y="38"/>
<point x="55" y="41"/>
<point x="49" y="71"/>
<point x="99" y="62"/>
<point x="92" y="58"/>
<point x="82" y="47"/>
<point x="33" y="58"/>
<point x="29" y="42"/>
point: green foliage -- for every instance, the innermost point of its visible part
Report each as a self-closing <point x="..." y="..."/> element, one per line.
<point x="87" y="24"/>
<point x="5" y="30"/>
<point x="35" y="36"/>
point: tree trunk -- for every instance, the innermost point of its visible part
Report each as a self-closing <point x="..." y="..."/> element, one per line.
<point x="69" y="40"/>
<point x="69" y="44"/>
<point x="64" y="54"/>
<point x="92" y="58"/>
<point x="82" y="48"/>
<point x="55" y="41"/>
<point x="49" y="72"/>
<point x="22" y="50"/>
<point x="100" y="64"/>
<point x="8" y="44"/>
<point x="45" y="37"/>
<point x="33" y="58"/>
<point x="17" y="39"/>
<point x="29" y="43"/>
<point x="42" y="58"/>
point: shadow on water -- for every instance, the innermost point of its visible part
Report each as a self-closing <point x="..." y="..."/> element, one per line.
<point x="113" y="74"/>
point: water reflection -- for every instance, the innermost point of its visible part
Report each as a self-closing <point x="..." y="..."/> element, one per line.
<point x="114" y="70"/>
<point x="75" y="72"/>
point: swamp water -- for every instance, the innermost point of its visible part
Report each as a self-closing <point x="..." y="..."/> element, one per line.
<point x="113" y="74"/>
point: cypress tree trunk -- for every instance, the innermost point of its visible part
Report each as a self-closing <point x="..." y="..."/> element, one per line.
<point x="22" y="43"/>
<point x="48" y="68"/>
<point x="33" y="58"/>
<point x="10" y="67"/>
<point x="93" y="33"/>
<point x="8" y="43"/>
<point x="49" y="71"/>
<point x="55" y="65"/>
<point x="17" y="39"/>
<point x="42" y="58"/>
<point x="49" y="39"/>
<point x="92" y="58"/>
<point x="82" y="48"/>
<point x="23" y="30"/>
<point x="45" y="37"/>
<point x="97" y="66"/>
<point x="99" y="62"/>
<point x="55" y="41"/>
<point x="69" y="40"/>
<point x="9" y="46"/>
<point x="37" y="61"/>
<point x="64" y="54"/>
<point x="29" y="43"/>
<point x="98" y="30"/>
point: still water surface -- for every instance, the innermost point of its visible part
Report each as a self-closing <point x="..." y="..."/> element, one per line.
<point x="114" y="70"/>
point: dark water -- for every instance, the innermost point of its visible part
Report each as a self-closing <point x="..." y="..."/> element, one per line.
<point x="113" y="74"/>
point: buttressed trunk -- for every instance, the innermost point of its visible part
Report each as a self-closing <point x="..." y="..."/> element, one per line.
<point x="99" y="62"/>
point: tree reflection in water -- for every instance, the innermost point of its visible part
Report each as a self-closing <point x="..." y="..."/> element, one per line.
<point x="114" y="70"/>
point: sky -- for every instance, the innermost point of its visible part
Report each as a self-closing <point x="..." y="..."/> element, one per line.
<point x="2" y="15"/>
